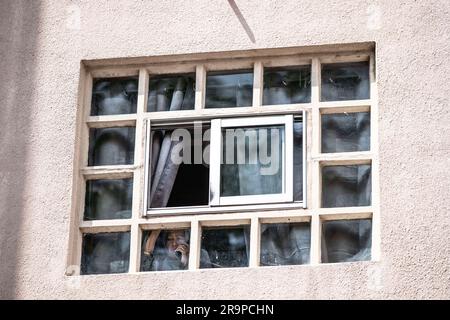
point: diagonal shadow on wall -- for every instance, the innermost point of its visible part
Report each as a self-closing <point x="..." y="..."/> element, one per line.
<point x="19" y="24"/>
<point x="242" y="20"/>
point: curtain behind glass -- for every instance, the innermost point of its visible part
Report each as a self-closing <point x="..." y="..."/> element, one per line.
<point x="254" y="176"/>
<point x="163" y="170"/>
<point x="285" y="244"/>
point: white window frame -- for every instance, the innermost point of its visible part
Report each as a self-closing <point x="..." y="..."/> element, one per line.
<point x="193" y="217"/>
<point x="216" y="204"/>
<point x="216" y="153"/>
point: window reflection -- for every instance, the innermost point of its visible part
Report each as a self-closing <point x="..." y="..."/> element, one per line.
<point x="111" y="146"/>
<point x="114" y="96"/>
<point x="227" y="247"/>
<point x="229" y="89"/>
<point x="345" y="81"/>
<point x="105" y="253"/>
<point x="346" y="186"/>
<point x="346" y="240"/>
<point x="285" y="244"/>
<point x="287" y="85"/>
<point x="108" y="199"/>
<point x="171" y="93"/>
<point x="346" y="132"/>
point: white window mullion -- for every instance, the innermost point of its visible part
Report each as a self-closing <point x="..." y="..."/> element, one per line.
<point x="200" y="87"/>
<point x="195" y="243"/>
<point x="304" y="159"/>
<point x="255" y="240"/>
<point x="147" y="165"/>
<point x="288" y="168"/>
<point x="138" y="177"/>
<point x="215" y="160"/>
<point x="258" y="84"/>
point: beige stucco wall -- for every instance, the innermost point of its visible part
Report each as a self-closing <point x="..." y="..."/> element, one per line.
<point x="41" y="47"/>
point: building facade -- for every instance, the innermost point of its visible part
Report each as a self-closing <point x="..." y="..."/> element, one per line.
<point x="52" y="54"/>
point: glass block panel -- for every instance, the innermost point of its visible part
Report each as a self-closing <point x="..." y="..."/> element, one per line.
<point x="108" y="199"/>
<point x="298" y="160"/>
<point x="285" y="244"/>
<point x="346" y="132"/>
<point x="346" y="186"/>
<point x="164" y="250"/>
<point x="253" y="160"/>
<point x="105" y="253"/>
<point x="229" y="89"/>
<point x="171" y="93"/>
<point x="114" y="96"/>
<point x="111" y="146"/>
<point x="287" y="85"/>
<point x="346" y="240"/>
<point x="226" y="247"/>
<point x="345" y="81"/>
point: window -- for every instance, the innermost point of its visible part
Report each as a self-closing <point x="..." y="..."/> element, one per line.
<point x="265" y="160"/>
<point x="252" y="160"/>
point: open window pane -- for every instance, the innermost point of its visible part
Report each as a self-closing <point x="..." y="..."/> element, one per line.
<point x="285" y="243"/>
<point x="253" y="161"/>
<point x="287" y="85"/>
<point x="114" y="96"/>
<point x="179" y="166"/>
<point x="105" y="253"/>
<point x="225" y="247"/>
<point x="111" y="146"/>
<point x="346" y="186"/>
<point x="346" y="132"/>
<point x="345" y="81"/>
<point x="164" y="250"/>
<point x="346" y="240"/>
<point x="229" y="89"/>
<point x="171" y="93"/>
<point x="108" y="199"/>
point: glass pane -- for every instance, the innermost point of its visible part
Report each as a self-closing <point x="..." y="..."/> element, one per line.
<point x="346" y="240"/>
<point x="346" y="132"/>
<point x="111" y="146"/>
<point x="105" y="253"/>
<point x="114" y="96"/>
<point x="170" y="93"/>
<point x="225" y="247"/>
<point x="164" y="250"/>
<point x="285" y="244"/>
<point x="179" y="167"/>
<point x="229" y="89"/>
<point x="345" y="81"/>
<point x="252" y="161"/>
<point x="298" y="160"/>
<point x="287" y="85"/>
<point x="346" y="186"/>
<point x="108" y="199"/>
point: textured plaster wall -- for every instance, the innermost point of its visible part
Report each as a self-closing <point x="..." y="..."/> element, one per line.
<point x="42" y="44"/>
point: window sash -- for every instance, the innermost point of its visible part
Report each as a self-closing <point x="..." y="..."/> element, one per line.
<point x="216" y="153"/>
<point x="239" y="203"/>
